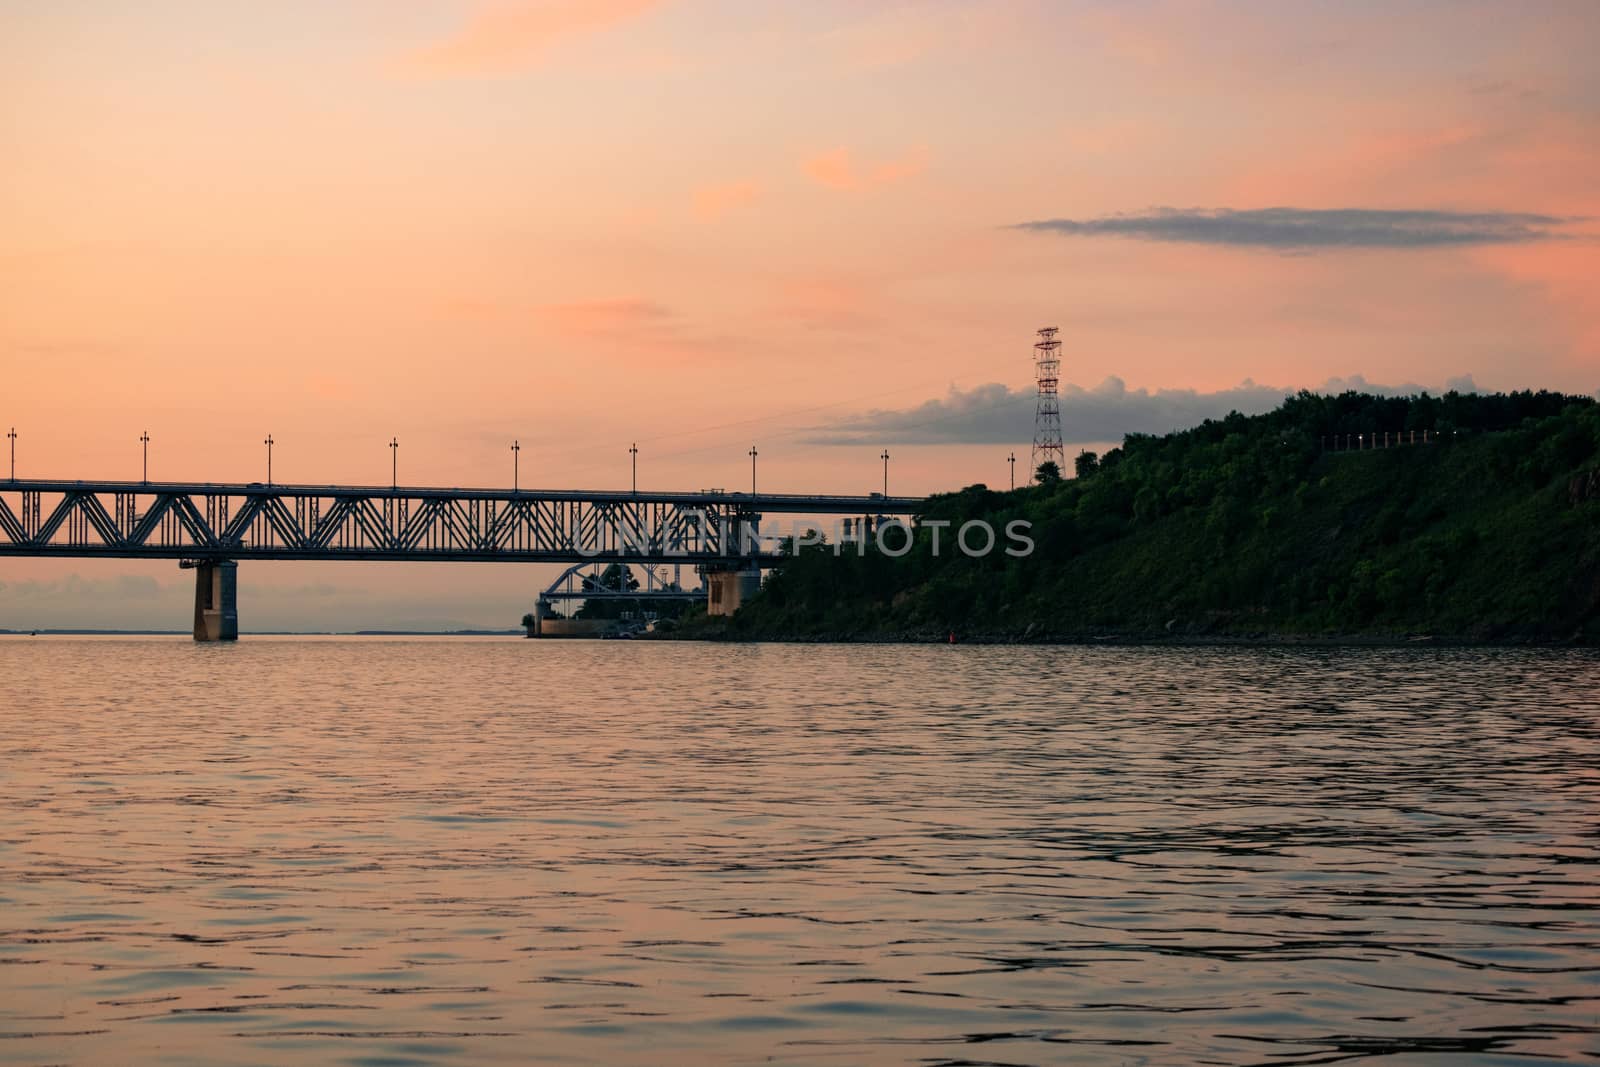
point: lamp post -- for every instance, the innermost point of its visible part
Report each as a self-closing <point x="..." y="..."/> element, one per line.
<point x="268" y="443"/>
<point x="144" y="439"/>
<point x="394" y="463"/>
<point x="1012" y="459"/>
<point x="753" y="470"/>
<point x="516" y="472"/>
<point x="633" y="454"/>
<point x="13" y="436"/>
<point x="885" y="458"/>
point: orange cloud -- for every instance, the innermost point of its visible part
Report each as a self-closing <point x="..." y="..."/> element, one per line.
<point x="1400" y="151"/>
<point x="603" y="316"/>
<point x="642" y="332"/>
<point x="713" y="200"/>
<point x="837" y="170"/>
<point x="1109" y="137"/>
<point x="1132" y="36"/>
<point x="329" y="387"/>
<point x="1563" y="275"/>
<point x="827" y="303"/>
<point x="893" y="35"/>
<point x="467" y="309"/>
<point x="511" y="35"/>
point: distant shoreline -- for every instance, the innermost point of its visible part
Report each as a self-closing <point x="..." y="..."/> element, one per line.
<point x="1108" y="640"/>
<point x="1132" y="640"/>
<point x="54" y="632"/>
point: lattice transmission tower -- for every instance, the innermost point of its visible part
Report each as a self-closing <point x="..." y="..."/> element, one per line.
<point x="1047" y="409"/>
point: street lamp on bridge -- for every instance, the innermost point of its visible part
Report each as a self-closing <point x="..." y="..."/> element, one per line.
<point x="516" y="474"/>
<point x="268" y="443"/>
<point x="144" y="439"/>
<point x="753" y="470"/>
<point x="885" y="458"/>
<point x="633" y="453"/>
<point x="13" y="436"/>
<point x="394" y="463"/>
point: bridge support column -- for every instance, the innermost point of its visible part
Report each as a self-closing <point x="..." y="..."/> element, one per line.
<point x="216" y="599"/>
<point x="542" y="611"/>
<point x="726" y="590"/>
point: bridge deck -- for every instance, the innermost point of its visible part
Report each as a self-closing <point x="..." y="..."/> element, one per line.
<point x="206" y="520"/>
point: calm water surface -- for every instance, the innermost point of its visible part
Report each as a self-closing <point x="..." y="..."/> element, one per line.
<point x="395" y="852"/>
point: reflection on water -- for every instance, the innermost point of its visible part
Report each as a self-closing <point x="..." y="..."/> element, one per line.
<point x="392" y="852"/>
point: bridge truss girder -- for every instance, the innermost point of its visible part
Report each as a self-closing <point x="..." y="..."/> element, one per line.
<point x="133" y="520"/>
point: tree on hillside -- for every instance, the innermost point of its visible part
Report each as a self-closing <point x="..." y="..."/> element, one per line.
<point x="1086" y="464"/>
<point x="790" y="546"/>
<point x="1252" y="524"/>
<point x="1048" y="473"/>
<point x="616" y="578"/>
<point x="620" y="578"/>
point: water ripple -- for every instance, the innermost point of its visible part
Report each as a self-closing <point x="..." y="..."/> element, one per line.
<point x="413" y="852"/>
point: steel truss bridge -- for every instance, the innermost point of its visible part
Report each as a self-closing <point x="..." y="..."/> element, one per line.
<point x="212" y="526"/>
<point x="202" y="521"/>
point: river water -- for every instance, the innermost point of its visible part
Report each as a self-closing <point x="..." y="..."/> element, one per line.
<point x="389" y="852"/>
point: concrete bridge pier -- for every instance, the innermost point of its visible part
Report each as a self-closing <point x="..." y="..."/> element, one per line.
<point x="216" y="599"/>
<point x="727" y="589"/>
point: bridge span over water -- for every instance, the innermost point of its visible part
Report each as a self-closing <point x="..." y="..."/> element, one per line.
<point x="211" y="527"/>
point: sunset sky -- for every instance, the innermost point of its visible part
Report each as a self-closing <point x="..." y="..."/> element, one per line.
<point x="824" y="228"/>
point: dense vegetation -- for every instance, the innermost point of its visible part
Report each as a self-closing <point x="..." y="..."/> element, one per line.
<point x="1255" y="525"/>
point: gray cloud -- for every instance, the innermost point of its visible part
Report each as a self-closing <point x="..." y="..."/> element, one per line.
<point x="997" y="414"/>
<point x="1289" y="229"/>
<point x="142" y="601"/>
<point x="123" y="587"/>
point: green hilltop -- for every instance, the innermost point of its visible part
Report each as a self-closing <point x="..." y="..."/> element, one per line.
<point x="1261" y="526"/>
